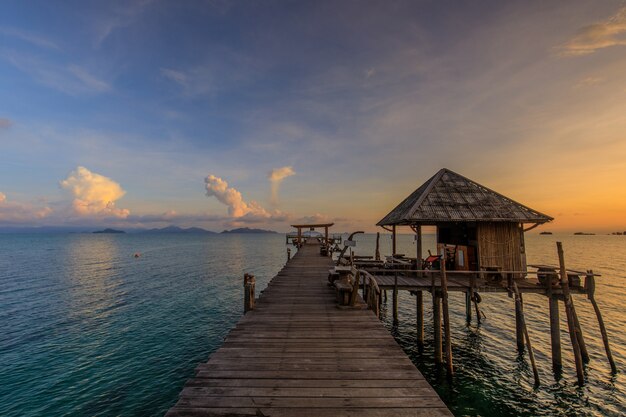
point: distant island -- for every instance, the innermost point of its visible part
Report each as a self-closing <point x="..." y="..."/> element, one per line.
<point x="545" y="233"/>
<point x="584" y="234"/>
<point x="107" y="230"/>
<point x="247" y="230"/>
<point x="176" y="229"/>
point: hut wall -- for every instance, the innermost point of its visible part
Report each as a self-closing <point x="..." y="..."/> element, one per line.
<point x="501" y="244"/>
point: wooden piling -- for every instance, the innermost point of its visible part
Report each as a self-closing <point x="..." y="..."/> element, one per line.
<point x="419" y="313"/>
<point x="437" y="326"/>
<point x="579" y="334"/>
<point x="570" y="316"/>
<point x="393" y="240"/>
<point x="519" y="304"/>
<point x="288" y="254"/>
<point x="591" y="290"/>
<point x="519" y="327"/>
<point x="468" y="306"/>
<point x="248" y="292"/>
<point x="446" y="319"/>
<point x="555" y="333"/>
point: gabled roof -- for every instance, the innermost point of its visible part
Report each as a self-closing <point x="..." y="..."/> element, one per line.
<point x="450" y="197"/>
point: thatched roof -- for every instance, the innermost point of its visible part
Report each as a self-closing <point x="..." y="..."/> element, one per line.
<point x="450" y="197"/>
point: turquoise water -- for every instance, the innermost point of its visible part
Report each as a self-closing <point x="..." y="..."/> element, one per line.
<point x="86" y="329"/>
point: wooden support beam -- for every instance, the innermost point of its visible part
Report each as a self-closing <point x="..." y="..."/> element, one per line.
<point x="468" y="306"/>
<point x="580" y="374"/>
<point x="393" y="240"/>
<point x="419" y="313"/>
<point x="519" y="326"/>
<point x="579" y="334"/>
<point x="555" y="334"/>
<point x="591" y="290"/>
<point x="437" y="326"/>
<point x="446" y="318"/>
<point x="418" y="246"/>
<point x="519" y="301"/>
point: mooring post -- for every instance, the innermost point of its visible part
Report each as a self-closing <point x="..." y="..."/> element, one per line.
<point x="395" y="298"/>
<point x="591" y="289"/>
<point x="419" y="313"/>
<point x="570" y="316"/>
<point x="437" y="326"/>
<point x="248" y="292"/>
<point x="288" y="253"/>
<point x="446" y="318"/>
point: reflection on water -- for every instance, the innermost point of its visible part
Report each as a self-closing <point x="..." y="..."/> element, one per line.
<point x="87" y="329"/>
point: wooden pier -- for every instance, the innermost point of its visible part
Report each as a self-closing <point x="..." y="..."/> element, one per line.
<point x="297" y="354"/>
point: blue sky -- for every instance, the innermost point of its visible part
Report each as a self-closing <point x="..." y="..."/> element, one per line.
<point x="363" y="100"/>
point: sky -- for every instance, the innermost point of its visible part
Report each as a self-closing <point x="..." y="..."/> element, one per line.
<point x="225" y="114"/>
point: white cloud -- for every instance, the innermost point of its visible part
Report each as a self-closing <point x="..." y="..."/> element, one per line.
<point x="276" y="176"/>
<point x="15" y="212"/>
<point x="174" y="75"/>
<point x="94" y="194"/>
<point x="29" y="37"/>
<point x="232" y="198"/>
<point x="598" y="36"/>
<point x="88" y="80"/>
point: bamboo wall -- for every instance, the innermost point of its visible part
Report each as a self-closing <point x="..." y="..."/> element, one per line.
<point x="502" y="245"/>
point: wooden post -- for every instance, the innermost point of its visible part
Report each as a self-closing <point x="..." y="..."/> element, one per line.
<point x="437" y="326"/>
<point x="468" y="305"/>
<point x="393" y="240"/>
<point x="446" y="318"/>
<point x="519" y="301"/>
<point x="288" y="253"/>
<point x="395" y="299"/>
<point x="418" y="246"/>
<point x="475" y="296"/>
<point x="519" y="326"/>
<point x="326" y="235"/>
<point x="299" y="236"/>
<point x="570" y="316"/>
<point x="377" y="253"/>
<point x="591" y="290"/>
<point x="248" y="292"/>
<point x="555" y="333"/>
<point x="579" y="334"/>
<point x="419" y="313"/>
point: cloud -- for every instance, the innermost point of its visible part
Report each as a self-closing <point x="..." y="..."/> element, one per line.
<point x="174" y="75"/>
<point x="276" y="176"/>
<point x="29" y="37"/>
<point x="232" y="198"/>
<point x="69" y="79"/>
<point x="598" y="36"/>
<point x="5" y="123"/>
<point x="588" y="81"/>
<point x="15" y="212"/>
<point x="94" y="194"/>
<point x="88" y="80"/>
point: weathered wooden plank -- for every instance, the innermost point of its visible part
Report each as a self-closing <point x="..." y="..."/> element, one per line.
<point x="297" y="354"/>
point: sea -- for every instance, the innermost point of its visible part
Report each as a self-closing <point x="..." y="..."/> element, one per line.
<point x="88" y="329"/>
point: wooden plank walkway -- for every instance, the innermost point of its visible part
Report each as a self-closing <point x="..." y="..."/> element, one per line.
<point x="297" y="354"/>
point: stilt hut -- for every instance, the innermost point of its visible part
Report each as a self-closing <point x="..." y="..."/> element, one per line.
<point x="477" y="228"/>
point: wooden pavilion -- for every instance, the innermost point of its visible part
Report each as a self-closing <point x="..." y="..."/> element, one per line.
<point x="476" y="226"/>
<point x="312" y="227"/>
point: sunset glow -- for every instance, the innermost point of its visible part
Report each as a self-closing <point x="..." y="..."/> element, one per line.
<point x="145" y="114"/>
